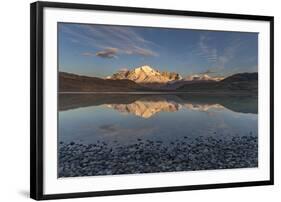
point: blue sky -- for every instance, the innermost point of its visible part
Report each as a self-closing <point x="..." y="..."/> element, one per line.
<point x="101" y="50"/>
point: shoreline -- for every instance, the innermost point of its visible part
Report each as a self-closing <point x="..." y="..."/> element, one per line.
<point x="147" y="156"/>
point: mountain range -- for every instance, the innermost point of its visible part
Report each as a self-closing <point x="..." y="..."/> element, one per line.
<point x="146" y="75"/>
<point x="146" y="78"/>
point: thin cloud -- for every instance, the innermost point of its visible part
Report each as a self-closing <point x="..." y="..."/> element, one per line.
<point x="123" y="69"/>
<point x="127" y="40"/>
<point x="208" y="71"/>
<point x="142" y="51"/>
<point x="107" y="53"/>
<point x="88" y="54"/>
<point x="217" y="60"/>
<point x="209" y="53"/>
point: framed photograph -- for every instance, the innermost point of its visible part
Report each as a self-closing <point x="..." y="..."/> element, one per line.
<point x="134" y="100"/>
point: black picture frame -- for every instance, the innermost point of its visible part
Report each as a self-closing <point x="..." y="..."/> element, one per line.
<point x="36" y="98"/>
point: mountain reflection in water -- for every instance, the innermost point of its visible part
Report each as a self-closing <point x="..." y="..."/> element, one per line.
<point x="147" y="105"/>
<point x="147" y="109"/>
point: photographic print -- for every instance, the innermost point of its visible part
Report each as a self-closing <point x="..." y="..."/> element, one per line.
<point x="135" y="100"/>
<point x="128" y="100"/>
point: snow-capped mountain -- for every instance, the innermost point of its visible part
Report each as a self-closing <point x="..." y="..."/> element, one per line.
<point x="192" y="79"/>
<point x="202" y="77"/>
<point x="146" y="75"/>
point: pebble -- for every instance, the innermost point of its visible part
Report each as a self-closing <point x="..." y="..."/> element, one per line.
<point x="210" y="153"/>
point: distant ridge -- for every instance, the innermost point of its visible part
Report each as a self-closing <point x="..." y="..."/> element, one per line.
<point x="242" y="77"/>
<point x="76" y="83"/>
<point x="245" y="83"/>
<point x="238" y="83"/>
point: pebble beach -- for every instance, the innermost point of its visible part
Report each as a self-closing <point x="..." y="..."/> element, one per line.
<point x="150" y="156"/>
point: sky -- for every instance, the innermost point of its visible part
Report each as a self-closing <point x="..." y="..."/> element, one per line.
<point x="101" y="50"/>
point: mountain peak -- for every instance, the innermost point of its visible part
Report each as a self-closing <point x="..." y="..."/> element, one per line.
<point x="145" y="68"/>
<point x="147" y="75"/>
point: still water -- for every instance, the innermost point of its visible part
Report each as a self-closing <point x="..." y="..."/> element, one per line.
<point x="88" y="118"/>
<point x="108" y="134"/>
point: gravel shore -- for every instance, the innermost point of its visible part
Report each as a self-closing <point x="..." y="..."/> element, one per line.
<point x="147" y="156"/>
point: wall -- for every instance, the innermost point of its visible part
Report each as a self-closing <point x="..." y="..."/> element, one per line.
<point x="14" y="108"/>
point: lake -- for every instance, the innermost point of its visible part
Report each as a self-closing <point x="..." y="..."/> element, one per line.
<point x="106" y="134"/>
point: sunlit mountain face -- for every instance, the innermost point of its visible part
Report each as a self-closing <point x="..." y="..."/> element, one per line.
<point x="148" y="75"/>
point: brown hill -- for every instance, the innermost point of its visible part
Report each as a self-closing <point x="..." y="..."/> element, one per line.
<point x="237" y="83"/>
<point x="77" y="83"/>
